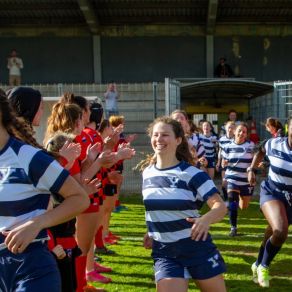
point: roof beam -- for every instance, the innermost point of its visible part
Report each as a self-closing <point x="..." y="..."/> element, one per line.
<point x="211" y="17"/>
<point x="89" y="15"/>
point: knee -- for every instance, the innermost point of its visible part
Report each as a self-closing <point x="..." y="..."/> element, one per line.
<point x="244" y="205"/>
<point x="280" y="236"/>
<point x="233" y="197"/>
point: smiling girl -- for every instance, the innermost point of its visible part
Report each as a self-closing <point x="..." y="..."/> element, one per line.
<point x="182" y="247"/>
<point x="237" y="156"/>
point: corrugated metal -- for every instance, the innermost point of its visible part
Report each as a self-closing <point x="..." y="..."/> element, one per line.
<point x="110" y="12"/>
<point x="277" y="105"/>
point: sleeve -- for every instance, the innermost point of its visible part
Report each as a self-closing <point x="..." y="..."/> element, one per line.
<point x="75" y="169"/>
<point x="267" y="146"/>
<point x="202" y="184"/>
<point x="46" y="173"/>
<point x="200" y="149"/>
<point x="51" y="241"/>
<point x="225" y="152"/>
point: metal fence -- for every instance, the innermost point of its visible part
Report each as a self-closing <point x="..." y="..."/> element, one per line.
<point x="277" y="104"/>
<point x="140" y="103"/>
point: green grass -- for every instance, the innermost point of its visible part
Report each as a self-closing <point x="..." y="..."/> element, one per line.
<point x="132" y="264"/>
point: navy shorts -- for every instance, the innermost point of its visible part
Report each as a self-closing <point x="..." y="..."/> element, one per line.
<point x="211" y="162"/>
<point x="33" y="270"/>
<point x="284" y="197"/>
<point x="244" y="191"/>
<point x="182" y="260"/>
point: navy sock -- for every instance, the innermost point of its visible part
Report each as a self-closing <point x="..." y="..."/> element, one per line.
<point x="269" y="253"/>
<point x="260" y="255"/>
<point x="224" y="191"/>
<point x="233" y="214"/>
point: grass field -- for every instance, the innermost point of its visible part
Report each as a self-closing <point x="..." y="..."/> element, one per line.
<point x="132" y="264"/>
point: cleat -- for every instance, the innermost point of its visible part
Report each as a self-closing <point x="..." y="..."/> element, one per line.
<point x="89" y="288"/>
<point x="113" y="236"/>
<point x="93" y="276"/>
<point x="110" y="241"/>
<point x="104" y="250"/>
<point x="254" y="269"/>
<point x="233" y="232"/>
<point x="263" y="276"/>
<point x="101" y="269"/>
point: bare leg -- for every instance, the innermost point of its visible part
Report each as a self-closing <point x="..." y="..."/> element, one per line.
<point x="215" y="284"/>
<point x="244" y="202"/>
<point x="172" y="285"/>
<point x="275" y="214"/>
<point x="90" y="259"/>
<point x="211" y="172"/>
<point x="90" y="254"/>
<point x="109" y="205"/>
<point x="85" y="230"/>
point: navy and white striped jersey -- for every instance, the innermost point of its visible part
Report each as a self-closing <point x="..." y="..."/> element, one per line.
<point x="196" y="143"/>
<point x="170" y="196"/>
<point x="280" y="171"/>
<point x="27" y="178"/>
<point x="239" y="158"/>
<point x="223" y="141"/>
<point x="209" y="145"/>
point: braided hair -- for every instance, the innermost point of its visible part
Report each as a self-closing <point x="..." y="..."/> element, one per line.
<point x="15" y="126"/>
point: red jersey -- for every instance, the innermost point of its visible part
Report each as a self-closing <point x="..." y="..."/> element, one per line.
<point x="85" y="141"/>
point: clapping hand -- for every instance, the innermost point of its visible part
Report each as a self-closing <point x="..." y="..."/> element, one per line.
<point x="70" y="151"/>
<point x="91" y="186"/>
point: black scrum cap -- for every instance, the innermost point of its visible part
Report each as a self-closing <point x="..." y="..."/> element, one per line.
<point x="25" y="101"/>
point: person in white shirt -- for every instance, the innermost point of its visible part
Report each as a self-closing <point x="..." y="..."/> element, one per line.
<point x="14" y="64"/>
<point x="111" y="100"/>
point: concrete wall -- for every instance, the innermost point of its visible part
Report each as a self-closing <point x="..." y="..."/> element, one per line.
<point x="263" y="58"/>
<point x="145" y="59"/>
<point x="50" y="59"/>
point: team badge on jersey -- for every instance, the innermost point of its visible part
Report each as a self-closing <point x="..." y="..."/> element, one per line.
<point x="173" y="181"/>
<point x="4" y="174"/>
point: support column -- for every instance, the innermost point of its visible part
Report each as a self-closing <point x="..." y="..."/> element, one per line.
<point x="97" y="70"/>
<point x="210" y="56"/>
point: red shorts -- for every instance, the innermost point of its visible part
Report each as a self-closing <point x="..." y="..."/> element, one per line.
<point x="94" y="204"/>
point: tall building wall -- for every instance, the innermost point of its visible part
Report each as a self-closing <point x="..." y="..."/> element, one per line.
<point x="50" y="59"/>
<point x="143" y="59"/>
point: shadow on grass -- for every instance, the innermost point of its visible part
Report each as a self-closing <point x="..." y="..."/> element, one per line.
<point x="135" y="284"/>
<point x="241" y="285"/>
<point x="130" y="234"/>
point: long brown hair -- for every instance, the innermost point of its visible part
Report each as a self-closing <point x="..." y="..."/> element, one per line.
<point x="15" y="126"/>
<point x="63" y="118"/>
<point x="274" y="123"/>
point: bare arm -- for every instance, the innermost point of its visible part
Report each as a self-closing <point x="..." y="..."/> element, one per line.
<point x="202" y="224"/>
<point x="258" y="157"/>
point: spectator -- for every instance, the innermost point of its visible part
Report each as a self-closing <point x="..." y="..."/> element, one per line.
<point x="252" y="130"/>
<point x="111" y="96"/>
<point x="14" y="64"/>
<point x="232" y="117"/>
<point x="223" y="70"/>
